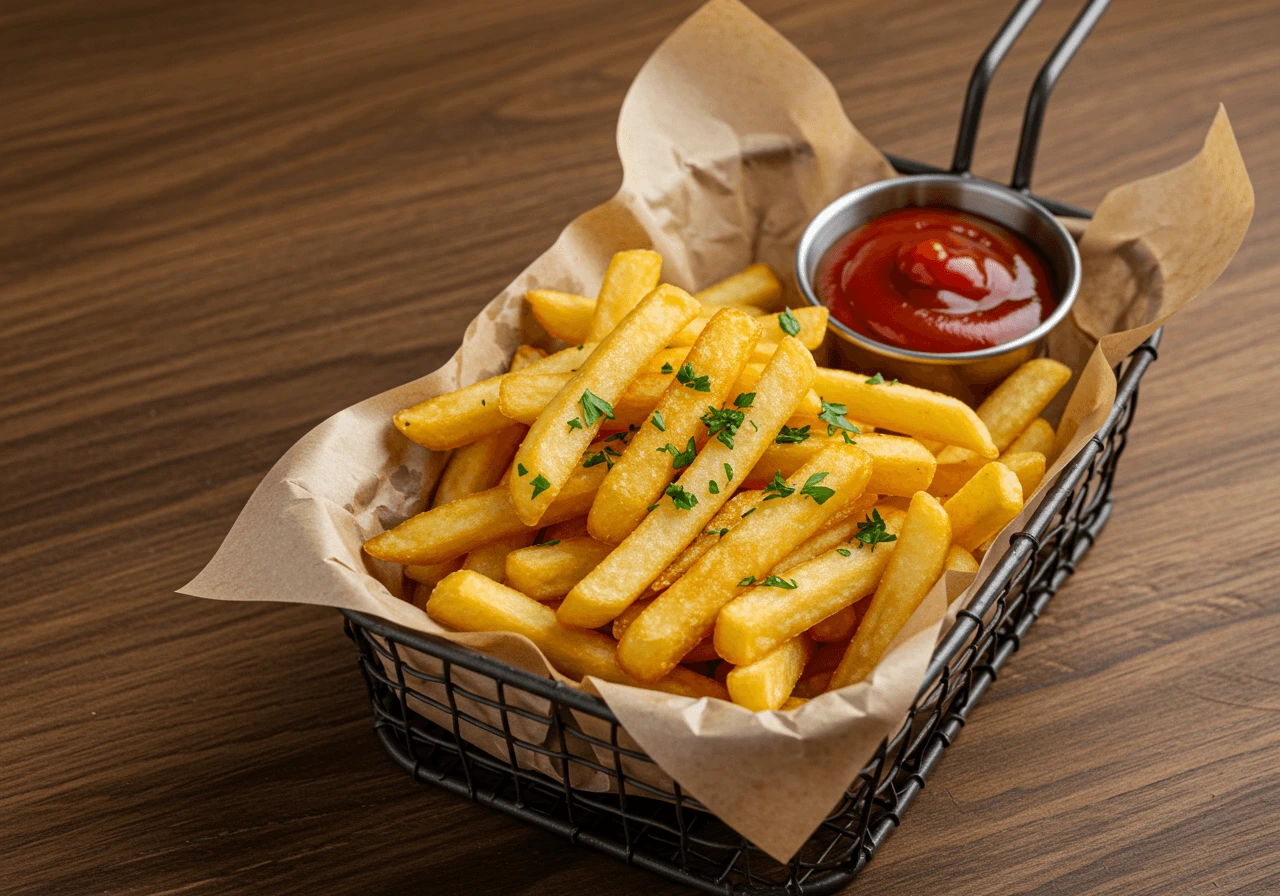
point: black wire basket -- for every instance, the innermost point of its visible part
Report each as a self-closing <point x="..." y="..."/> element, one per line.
<point x="433" y="701"/>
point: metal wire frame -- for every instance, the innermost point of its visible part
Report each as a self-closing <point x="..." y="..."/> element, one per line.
<point x="660" y="828"/>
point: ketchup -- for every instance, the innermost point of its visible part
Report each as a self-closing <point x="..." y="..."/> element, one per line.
<point x="935" y="279"/>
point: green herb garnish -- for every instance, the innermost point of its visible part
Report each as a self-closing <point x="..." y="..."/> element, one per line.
<point x="682" y="499"/>
<point x="723" y="424"/>
<point x="547" y="544"/>
<point x="540" y="485"/>
<point x="659" y="422"/>
<point x="744" y="400"/>
<point x="520" y="469"/>
<point x="749" y="580"/>
<point x="667" y="368"/>
<point x="876" y="380"/>
<point x="788" y="322"/>
<point x="819" y="493"/>
<point x="575" y="423"/>
<point x="778" y="488"/>
<point x="594" y="407"/>
<point x="681" y="459"/>
<point x="843" y="552"/>
<point x="833" y="415"/>
<point x="713" y="487"/>
<point x="873" y="531"/>
<point x="792" y="435"/>
<point x="728" y="472"/>
<point x="687" y="378"/>
<point x="776" y="582"/>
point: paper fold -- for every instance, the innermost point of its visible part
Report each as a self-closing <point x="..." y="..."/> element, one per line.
<point x="731" y="140"/>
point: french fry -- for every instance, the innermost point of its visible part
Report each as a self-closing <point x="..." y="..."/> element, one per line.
<point x="639" y="477"/>
<point x="757" y="621"/>
<point x="574" y="528"/>
<point x="839" y="626"/>
<point x="767" y="683"/>
<point x="460" y="417"/>
<point x="1028" y="466"/>
<point x="1038" y="436"/>
<point x="490" y="559"/>
<point x="1015" y="403"/>
<point x="898" y="407"/>
<point x="630" y="277"/>
<point x="793" y="702"/>
<point x="430" y="573"/>
<point x="812" y="322"/>
<point x="671" y="625"/>
<point x="756" y="286"/>
<point x="915" y="564"/>
<point x="480" y="465"/>
<point x="702" y="652"/>
<point x="625" y="574"/>
<point x="984" y="506"/>
<point x="567" y="316"/>
<point x="842" y="526"/>
<point x="899" y="465"/>
<point x="469" y="602"/>
<point x="726" y="518"/>
<point x="960" y="560"/>
<point x="548" y="571"/>
<point x="553" y="448"/>
<point x="453" y="529"/>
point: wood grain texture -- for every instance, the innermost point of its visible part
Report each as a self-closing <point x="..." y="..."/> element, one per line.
<point x="224" y="221"/>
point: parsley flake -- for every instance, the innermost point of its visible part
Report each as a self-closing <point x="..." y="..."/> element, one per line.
<point x="876" y="380"/>
<point x="744" y="400"/>
<point x="792" y="435"/>
<point x="667" y="368"/>
<point x="788" y="322"/>
<point x="819" y="493"/>
<point x="520" y="469"/>
<point x="651" y="508"/>
<point x="720" y="532"/>
<point x="847" y="440"/>
<point x="680" y="459"/>
<point x="597" y="458"/>
<point x="619" y="437"/>
<point x="778" y="487"/>
<point x="776" y="582"/>
<point x="540" y="485"/>
<point x="844" y="552"/>
<point x="728" y="471"/>
<point x="687" y="378"/>
<point x="723" y="424"/>
<point x="682" y="499"/>
<point x="575" y="423"/>
<point x="873" y="531"/>
<point x="833" y="415"/>
<point x="713" y="487"/>
<point x="659" y="422"/>
<point x="749" y="512"/>
<point x="749" y="580"/>
<point x="594" y="407"/>
<point x="547" y="544"/>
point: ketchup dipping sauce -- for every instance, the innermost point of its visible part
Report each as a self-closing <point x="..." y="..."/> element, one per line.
<point x="935" y="279"/>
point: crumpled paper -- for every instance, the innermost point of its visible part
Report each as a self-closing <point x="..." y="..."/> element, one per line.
<point x="731" y="140"/>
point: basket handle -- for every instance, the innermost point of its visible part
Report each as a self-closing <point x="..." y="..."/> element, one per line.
<point x="1033" y="118"/>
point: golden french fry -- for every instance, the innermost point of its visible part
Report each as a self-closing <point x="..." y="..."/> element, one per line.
<point x="757" y="621"/>
<point x="960" y="560"/>
<point x="839" y="626"/>
<point x="490" y="559"/>
<point x="898" y="407"/>
<point x="1038" y="436"/>
<point x="469" y="602"/>
<point x="452" y="529"/>
<point x="675" y="621"/>
<point x="726" y="518"/>
<point x="1016" y="403"/>
<point x="430" y="573"/>
<point x="553" y="448"/>
<point x="631" y="276"/>
<point x="567" y="316"/>
<point x="899" y="465"/>
<point x="984" y="506"/>
<point x="915" y="564"/>
<point x="624" y="575"/>
<point x="460" y="417"/>
<point x="547" y="571"/>
<point x="626" y="617"/>
<point x="810" y="320"/>
<point x="673" y="357"/>
<point x="478" y="466"/>
<point x="756" y="285"/>
<point x="525" y="355"/>
<point x="704" y="649"/>
<point x="647" y="466"/>
<point x="1028" y="466"/>
<point x="842" y="526"/>
<point x="574" y="528"/>
<point x="950" y="477"/>
<point x="767" y="683"/>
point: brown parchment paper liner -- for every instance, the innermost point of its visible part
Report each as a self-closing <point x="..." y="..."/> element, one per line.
<point x="731" y="140"/>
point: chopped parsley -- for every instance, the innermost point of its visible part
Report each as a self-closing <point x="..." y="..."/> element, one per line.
<point x="777" y="488"/>
<point x="788" y="322"/>
<point x="575" y="423"/>
<point x="744" y="400"/>
<point x="682" y="499"/>
<point x="520" y="469"/>
<point x="776" y="582"/>
<point x="792" y="435"/>
<point x="540" y="485"/>
<point x="749" y="580"/>
<point x="723" y="424"/>
<point x="753" y="425"/>
<point x="681" y="459"/>
<point x="879" y="378"/>
<point x="749" y="512"/>
<point x="594" y="407"/>
<point x="843" y="552"/>
<point x="687" y="378"/>
<point x="598" y="458"/>
<point x="667" y="368"/>
<point x="833" y="415"/>
<point x="728" y="471"/>
<point x="619" y="437"/>
<point x="659" y="422"/>
<point x="713" y="487"/>
<point x="720" y="532"/>
<point x="847" y="439"/>
<point x="873" y="531"/>
<point x="651" y="508"/>
<point x="819" y="493"/>
<point x="547" y="544"/>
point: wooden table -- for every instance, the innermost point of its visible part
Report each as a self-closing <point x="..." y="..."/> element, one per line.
<point x="224" y="221"/>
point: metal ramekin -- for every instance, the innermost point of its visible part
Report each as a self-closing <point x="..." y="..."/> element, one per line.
<point x="957" y="373"/>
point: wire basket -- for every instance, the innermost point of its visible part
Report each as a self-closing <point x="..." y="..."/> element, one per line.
<point x="433" y="701"/>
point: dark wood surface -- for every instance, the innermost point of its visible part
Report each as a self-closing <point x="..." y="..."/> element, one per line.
<point x="221" y="222"/>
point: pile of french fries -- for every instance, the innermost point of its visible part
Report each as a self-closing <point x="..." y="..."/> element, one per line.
<point x="683" y="500"/>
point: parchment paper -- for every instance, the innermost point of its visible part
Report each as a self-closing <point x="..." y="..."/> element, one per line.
<point x="731" y="140"/>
